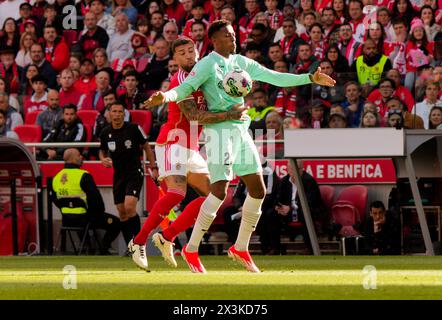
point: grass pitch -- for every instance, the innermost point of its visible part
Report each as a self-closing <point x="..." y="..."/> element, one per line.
<point x="282" y="277"/>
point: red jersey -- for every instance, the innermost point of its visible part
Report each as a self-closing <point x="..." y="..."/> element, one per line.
<point x="176" y="121"/>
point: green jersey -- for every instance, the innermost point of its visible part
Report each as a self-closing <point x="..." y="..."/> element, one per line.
<point x="209" y="72"/>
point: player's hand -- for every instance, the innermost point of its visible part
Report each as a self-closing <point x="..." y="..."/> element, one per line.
<point x="158" y="98"/>
<point x="107" y="162"/>
<point x="238" y="112"/>
<point x="322" y="79"/>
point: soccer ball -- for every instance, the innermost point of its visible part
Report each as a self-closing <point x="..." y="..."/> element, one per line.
<point x="237" y="83"/>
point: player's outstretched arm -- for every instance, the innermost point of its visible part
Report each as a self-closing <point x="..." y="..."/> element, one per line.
<point x="190" y="110"/>
<point x="322" y="79"/>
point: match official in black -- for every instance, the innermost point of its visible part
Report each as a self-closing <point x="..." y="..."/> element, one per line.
<point x="124" y="142"/>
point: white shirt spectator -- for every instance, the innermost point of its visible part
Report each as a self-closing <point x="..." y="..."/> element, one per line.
<point x="119" y="46"/>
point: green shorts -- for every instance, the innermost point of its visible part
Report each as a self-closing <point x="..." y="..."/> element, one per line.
<point x="230" y="149"/>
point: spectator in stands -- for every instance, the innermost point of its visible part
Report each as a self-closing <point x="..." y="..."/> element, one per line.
<point x="395" y="119"/>
<point x="101" y="62"/>
<point x="306" y="61"/>
<point x="288" y="205"/>
<point x="141" y="53"/>
<point x="26" y="85"/>
<point x="316" y="118"/>
<point x="377" y="33"/>
<point x="94" y="99"/>
<point x="156" y="22"/>
<point x="428" y="17"/>
<point x="3" y="131"/>
<point x="274" y="15"/>
<point x="91" y="38"/>
<point x="104" y="20"/>
<point x="259" y="111"/>
<point x="198" y="14"/>
<point x="44" y="66"/>
<point x="133" y="99"/>
<point x="403" y="9"/>
<point x="418" y="52"/>
<point x="10" y="37"/>
<point x="68" y="129"/>
<point x="423" y="108"/>
<point x="286" y="99"/>
<point x="86" y="82"/>
<point x="9" y="69"/>
<point x="13" y="118"/>
<point x="156" y="71"/>
<point x="119" y="43"/>
<point x="401" y="91"/>
<point x="103" y="119"/>
<point x="330" y="25"/>
<point x="260" y="36"/>
<point x="123" y="7"/>
<point x="370" y="66"/>
<point x="339" y="62"/>
<point x="48" y="118"/>
<point x="381" y="231"/>
<point x="274" y="131"/>
<point x="173" y="9"/>
<point x="252" y="8"/>
<point x="172" y="67"/>
<point x="290" y="42"/>
<point x="411" y="121"/>
<point x="25" y="12"/>
<point x="23" y="58"/>
<point x="13" y="102"/>
<point x="347" y="44"/>
<point x="68" y="92"/>
<point x="275" y="53"/>
<point x="356" y="17"/>
<point x="370" y="119"/>
<point x="170" y="32"/>
<point x="56" y="49"/>
<point x="199" y="36"/>
<point x="75" y="61"/>
<point x="383" y="15"/>
<point x="317" y="42"/>
<point x="39" y="99"/>
<point x="51" y="17"/>
<point x="435" y="118"/>
<point x="337" y="120"/>
<point x="380" y="96"/>
<point x="187" y="6"/>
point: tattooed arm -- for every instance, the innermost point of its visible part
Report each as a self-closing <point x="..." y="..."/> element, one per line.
<point x="192" y="113"/>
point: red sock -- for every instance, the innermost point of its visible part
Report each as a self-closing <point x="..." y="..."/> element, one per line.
<point x="159" y="211"/>
<point x="185" y="220"/>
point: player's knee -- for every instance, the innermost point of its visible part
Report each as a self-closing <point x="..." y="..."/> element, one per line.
<point x="258" y="193"/>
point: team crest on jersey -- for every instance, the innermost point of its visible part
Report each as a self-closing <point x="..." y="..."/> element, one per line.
<point x="111" y="145"/>
<point x="178" y="166"/>
<point x="128" y="144"/>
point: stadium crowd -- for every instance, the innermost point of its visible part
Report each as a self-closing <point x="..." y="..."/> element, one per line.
<point x="385" y="56"/>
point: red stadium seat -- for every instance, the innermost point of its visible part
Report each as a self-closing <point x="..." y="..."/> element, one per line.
<point x="89" y="132"/>
<point x="31" y="117"/>
<point x="29" y="133"/>
<point x="344" y="213"/>
<point x="88" y="116"/>
<point x="143" y="118"/>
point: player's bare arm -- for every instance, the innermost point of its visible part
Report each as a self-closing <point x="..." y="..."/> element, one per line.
<point x="192" y="113"/>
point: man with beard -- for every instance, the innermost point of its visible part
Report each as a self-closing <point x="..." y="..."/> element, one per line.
<point x="370" y="66"/>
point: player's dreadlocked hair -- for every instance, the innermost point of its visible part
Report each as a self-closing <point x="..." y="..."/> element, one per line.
<point x="180" y="42"/>
<point x="216" y="26"/>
